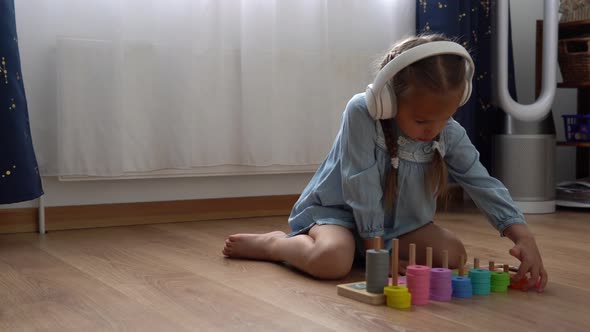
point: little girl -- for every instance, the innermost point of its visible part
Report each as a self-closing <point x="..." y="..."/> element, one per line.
<point x="383" y="175"/>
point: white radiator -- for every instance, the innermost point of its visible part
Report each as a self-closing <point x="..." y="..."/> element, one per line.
<point x="225" y="170"/>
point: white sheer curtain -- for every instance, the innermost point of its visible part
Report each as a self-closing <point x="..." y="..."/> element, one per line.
<point x="124" y="86"/>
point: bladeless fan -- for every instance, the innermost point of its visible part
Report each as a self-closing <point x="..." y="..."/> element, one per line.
<point x="524" y="154"/>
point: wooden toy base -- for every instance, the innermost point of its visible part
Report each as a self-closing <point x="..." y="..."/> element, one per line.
<point x="358" y="291"/>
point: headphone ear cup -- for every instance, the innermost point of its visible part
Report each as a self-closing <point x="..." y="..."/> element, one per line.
<point x="466" y="93"/>
<point x="388" y="102"/>
<point x="468" y="84"/>
<point x="372" y="102"/>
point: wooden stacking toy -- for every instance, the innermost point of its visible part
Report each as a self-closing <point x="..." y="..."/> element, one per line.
<point x="424" y="283"/>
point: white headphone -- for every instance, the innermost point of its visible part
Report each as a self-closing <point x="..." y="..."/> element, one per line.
<point x="381" y="99"/>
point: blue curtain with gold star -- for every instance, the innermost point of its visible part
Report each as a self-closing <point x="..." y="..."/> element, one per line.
<point x="470" y="23"/>
<point x="19" y="174"/>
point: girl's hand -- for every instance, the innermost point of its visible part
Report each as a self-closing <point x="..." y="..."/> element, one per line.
<point x="526" y="250"/>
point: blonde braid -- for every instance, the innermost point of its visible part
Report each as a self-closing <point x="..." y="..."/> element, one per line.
<point x="390" y="191"/>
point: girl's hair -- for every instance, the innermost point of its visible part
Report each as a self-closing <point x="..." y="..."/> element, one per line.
<point x="438" y="74"/>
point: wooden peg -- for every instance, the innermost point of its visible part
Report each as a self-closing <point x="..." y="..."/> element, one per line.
<point x="429" y="257"/>
<point x="412" y="260"/>
<point x="445" y="259"/>
<point x="476" y="263"/>
<point x="506" y="268"/>
<point x="492" y="266"/>
<point x="378" y="242"/>
<point x="375" y="243"/>
<point x="461" y="265"/>
<point x="395" y="262"/>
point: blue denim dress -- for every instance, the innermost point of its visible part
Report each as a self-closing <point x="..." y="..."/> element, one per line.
<point x="347" y="189"/>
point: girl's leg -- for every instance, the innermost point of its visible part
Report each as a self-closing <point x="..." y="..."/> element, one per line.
<point x="327" y="252"/>
<point x="439" y="239"/>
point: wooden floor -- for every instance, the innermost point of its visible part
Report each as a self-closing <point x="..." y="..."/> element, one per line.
<point x="173" y="277"/>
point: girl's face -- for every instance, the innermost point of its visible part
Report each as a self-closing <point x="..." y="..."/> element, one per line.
<point x="422" y="115"/>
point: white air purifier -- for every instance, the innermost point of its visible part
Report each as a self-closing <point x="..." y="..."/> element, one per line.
<point x="524" y="154"/>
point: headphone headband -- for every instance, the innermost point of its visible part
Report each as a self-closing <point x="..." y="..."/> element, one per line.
<point x="378" y="91"/>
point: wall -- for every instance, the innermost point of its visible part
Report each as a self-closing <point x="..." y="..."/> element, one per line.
<point x="524" y="15"/>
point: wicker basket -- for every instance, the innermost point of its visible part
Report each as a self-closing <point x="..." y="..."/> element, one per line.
<point x="579" y="14"/>
<point x="574" y="59"/>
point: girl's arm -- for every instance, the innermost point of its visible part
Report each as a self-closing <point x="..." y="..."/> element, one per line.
<point x="488" y="193"/>
<point x="361" y="179"/>
<point x="494" y="200"/>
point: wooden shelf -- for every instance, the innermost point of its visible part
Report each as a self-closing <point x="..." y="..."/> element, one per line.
<point x="568" y="30"/>
<point x="573" y="24"/>
<point x="573" y="29"/>
<point x="576" y="144"/>
<point x="572" y="84"/>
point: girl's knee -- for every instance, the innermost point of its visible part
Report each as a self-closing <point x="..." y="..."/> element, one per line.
<point x="332" y="261"/>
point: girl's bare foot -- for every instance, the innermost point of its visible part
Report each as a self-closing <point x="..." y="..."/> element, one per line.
<point x="252" y="246"/>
